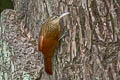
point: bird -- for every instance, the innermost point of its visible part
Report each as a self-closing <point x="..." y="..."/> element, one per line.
<point x="49" y="38"/>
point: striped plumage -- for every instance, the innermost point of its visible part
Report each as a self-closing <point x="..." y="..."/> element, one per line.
<point x="48" y="40"/>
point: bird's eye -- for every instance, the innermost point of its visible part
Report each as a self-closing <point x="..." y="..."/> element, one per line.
<point x="54" y="17"/>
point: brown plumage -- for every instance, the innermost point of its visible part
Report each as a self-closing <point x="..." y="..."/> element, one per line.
<point x="48" y="40"/>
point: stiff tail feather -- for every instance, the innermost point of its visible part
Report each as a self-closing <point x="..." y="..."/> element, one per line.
<point x="48" y="65"/>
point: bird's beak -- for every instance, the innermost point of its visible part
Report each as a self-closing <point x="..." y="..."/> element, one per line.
<point x="64" y="14"/>
<point x="58" y="19"/>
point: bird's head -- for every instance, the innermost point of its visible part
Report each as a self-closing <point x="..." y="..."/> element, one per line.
<point x="56" y="19"/>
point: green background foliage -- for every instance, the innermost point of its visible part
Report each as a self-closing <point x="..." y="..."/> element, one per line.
<point x="5" y="4"/>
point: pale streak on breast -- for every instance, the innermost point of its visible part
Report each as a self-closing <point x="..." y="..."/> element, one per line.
<point x="41" y="43"/>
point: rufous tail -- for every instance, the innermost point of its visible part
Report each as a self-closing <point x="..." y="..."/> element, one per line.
<point x="48" y="65"/>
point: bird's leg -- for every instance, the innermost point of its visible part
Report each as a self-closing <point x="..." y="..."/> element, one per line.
<point x="63" y="35"/>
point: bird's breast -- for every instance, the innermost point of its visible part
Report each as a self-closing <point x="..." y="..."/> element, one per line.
<point x="40" y="43"/>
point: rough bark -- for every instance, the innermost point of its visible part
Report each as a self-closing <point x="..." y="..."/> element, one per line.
<point x="90" y="51"/>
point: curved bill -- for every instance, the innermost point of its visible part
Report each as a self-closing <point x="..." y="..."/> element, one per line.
<point x="58" y="19"/>
<point x="64" y="14"/>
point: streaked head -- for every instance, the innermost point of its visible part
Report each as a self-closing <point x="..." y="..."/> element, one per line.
<point x="56" y="19"/>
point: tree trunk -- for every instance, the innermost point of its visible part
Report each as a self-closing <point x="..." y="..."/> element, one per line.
<point x="89" y="51"/>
